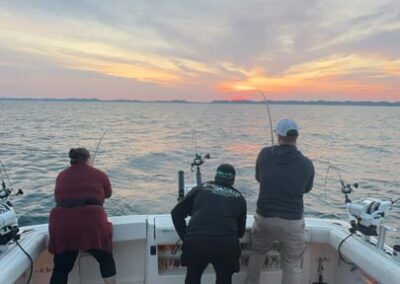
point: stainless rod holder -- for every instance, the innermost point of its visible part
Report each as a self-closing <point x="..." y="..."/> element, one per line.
<point x="380" y="244"/>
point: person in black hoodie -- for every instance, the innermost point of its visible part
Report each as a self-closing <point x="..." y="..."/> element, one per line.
<point x="218" y="220"/>
<point x="284" y="174"/>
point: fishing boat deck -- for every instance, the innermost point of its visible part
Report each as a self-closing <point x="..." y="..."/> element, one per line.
<point x="142" y="250"/>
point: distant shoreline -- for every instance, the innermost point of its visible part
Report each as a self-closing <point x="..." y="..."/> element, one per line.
<point x="281" y="102"/>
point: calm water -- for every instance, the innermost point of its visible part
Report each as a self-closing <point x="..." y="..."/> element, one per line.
<point x="146" y="144"/>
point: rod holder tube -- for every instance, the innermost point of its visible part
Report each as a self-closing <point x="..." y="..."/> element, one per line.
<point x="380" y="244"/>
<point x="181" y="185"/>
<point x="198" y="176"/>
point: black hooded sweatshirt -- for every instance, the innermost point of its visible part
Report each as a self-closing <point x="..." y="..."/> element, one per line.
<point x="284" y="174"/>
<point x="216" y="210"/>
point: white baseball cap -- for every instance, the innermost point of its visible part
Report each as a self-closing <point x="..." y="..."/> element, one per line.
<point x="285" y="125"/>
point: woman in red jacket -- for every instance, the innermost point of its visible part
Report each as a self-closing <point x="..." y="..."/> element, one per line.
<point x="79" y="222"/>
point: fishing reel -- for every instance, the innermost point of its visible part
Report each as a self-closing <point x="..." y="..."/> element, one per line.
<point x="347" y="189"/>
<point x="366" y="214"/>
<point x="8" y="226"/>
<point x="9" y="229"/>
<point x="195" y="169"/>
<point x="199" y="160"/>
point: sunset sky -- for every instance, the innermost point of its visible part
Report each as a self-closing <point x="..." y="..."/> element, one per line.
<point x="200" y="50"/>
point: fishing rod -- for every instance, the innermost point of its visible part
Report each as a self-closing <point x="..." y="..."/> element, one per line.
<point x="9" y="227"/>
<point x="198" y="161"/>
<point x="269" y="114"/>
<point x="5" y="171"/>
<point x="365" y="216"/>
<point x="346" y="188"/>
<point x="6" y="191"/>
<point x="98" y="146"/>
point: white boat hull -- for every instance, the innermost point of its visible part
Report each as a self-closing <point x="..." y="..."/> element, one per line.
<point x="142" y="253"/>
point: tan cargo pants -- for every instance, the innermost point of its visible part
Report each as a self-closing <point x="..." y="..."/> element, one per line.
<point x="290" y="234"/>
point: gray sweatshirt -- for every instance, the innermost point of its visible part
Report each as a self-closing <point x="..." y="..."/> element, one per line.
<point x="284" y="174"/>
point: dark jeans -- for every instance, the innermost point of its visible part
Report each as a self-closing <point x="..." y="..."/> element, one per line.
<point x="64" y="262"/>
<point x="222" y="252"/>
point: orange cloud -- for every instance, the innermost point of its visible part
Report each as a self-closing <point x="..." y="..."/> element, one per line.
<point x="336" y="74"/>
<point x="137" y="72"/>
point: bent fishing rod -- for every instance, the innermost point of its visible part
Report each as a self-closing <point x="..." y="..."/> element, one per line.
<point x="269" y="114"/>
<point x="98" y="146"/>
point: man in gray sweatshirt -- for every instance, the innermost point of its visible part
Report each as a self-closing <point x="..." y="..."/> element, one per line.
<point x="284" y="174"/>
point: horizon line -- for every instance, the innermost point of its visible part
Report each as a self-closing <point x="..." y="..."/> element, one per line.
<point x="318" y="101"/>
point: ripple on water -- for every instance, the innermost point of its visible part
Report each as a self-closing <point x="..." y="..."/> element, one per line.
<point x="146" y="144"/>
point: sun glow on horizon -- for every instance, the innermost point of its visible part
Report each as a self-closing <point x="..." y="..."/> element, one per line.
<point x="336" y="74"/>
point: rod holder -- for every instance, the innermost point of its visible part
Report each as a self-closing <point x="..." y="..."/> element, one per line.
<point x="181" y="185"/>
<point x="380" y="244"/>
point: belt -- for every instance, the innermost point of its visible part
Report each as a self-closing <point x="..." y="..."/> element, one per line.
<point x="71" y="203"/>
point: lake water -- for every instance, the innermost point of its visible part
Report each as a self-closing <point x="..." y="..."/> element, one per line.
<point x="146" y="144"/>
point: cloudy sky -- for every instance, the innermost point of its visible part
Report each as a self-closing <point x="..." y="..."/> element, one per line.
<point x="201" y="50"/>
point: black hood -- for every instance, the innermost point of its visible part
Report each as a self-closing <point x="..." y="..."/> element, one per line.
<point x="285" y="154"/>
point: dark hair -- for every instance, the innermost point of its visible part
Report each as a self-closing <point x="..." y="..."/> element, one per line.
<point x="78" y="155"/>
<point x="225" y="174"/>
<point x="291" y="136"/>
<point x="292" y="133"/>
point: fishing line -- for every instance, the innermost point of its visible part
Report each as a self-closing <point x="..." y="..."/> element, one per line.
<point x="331" y="166"/>
<point x="394" y="201"/>
<point x="5" y="171"/>
<point x="269" y="114"/>
<point x="194" y="141"/>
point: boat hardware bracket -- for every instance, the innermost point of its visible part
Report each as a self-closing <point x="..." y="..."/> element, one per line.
<point x="320" y="270"/>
